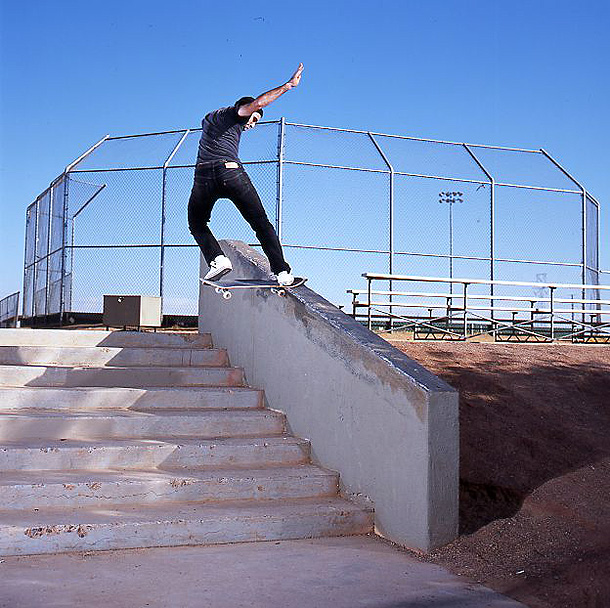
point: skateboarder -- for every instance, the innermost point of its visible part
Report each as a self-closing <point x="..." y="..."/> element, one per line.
<point x="220" y="174"/>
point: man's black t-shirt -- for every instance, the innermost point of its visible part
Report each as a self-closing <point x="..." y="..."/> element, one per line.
<point x="220" y="135"/>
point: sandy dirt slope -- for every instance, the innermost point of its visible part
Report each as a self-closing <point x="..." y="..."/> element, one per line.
<point x="534" y="468"/>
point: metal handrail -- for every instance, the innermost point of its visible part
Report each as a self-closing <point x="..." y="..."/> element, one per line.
<point x="454" y="296"/>
<point x="546" y="313"/>
<point x="453" y="307"/>
<point x="397" y="277"/>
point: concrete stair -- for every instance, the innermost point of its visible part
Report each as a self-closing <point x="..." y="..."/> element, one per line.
<point x="115" y="440"/>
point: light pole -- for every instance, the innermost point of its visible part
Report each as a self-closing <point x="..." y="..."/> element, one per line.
<point x="450" y="198"/>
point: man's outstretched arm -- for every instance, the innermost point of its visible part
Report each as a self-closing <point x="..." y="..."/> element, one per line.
<point x="270" y="96"/>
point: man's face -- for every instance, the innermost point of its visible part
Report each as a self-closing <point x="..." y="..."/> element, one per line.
<point x="254" y="118"/>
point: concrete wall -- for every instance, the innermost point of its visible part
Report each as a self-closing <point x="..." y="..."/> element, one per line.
<point x="388" y="425"/>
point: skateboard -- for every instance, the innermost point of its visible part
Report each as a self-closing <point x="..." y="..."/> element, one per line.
<point x="225" y="288"/>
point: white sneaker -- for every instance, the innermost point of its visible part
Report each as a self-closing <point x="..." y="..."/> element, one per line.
<point x="219" y="266"/>
<point x="285" y="278"/>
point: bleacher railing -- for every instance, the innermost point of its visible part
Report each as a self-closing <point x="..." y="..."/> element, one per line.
<point x="469" y="312"/>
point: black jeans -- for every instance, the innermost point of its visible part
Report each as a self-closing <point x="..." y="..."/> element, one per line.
<point x="214" y="180"/>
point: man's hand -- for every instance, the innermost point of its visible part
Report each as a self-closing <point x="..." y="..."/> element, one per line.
<point x="265" y="99"/>
<point x="296" y="77"/>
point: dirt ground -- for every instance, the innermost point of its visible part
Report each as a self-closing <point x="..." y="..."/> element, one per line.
<point x="534" y="468"/>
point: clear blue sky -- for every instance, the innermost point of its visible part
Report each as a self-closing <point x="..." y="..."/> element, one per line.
<point x="532" y="73"/>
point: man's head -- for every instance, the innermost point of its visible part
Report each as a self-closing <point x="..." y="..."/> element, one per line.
<point x="254" y="117"/>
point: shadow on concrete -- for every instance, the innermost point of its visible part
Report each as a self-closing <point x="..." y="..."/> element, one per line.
<point x="528" y="414"/>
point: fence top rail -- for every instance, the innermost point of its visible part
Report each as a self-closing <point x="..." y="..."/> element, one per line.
<point x="12" y="295"/>
<point x="399" y="277"/>
<point x="371" y="134"/>
<point x="107" y="138"/>
<point x="411" y="138"/>
<point x="342" y="130"/>
<point x="169" y="132"/>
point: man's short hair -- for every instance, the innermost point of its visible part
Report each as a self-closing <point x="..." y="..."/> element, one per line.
<point x="244" y="100"/>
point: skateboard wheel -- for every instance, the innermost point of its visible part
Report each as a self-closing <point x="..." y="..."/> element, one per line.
<point x="218" y="290"/>
<point x="226" y="295"/>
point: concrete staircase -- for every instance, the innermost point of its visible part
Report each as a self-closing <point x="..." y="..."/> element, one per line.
<point x="112" y="440"/>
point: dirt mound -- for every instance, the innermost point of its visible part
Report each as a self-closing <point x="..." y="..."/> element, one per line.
<point x="534" y="468"/>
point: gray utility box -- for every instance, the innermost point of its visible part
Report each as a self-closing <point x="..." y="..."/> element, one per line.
<point x="141" y="311"/>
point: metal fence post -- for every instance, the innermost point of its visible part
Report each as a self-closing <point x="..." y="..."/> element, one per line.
<point x="162" y="236"/>
<point x="34" y="207"/>
<point x="584" y="199"/>
<point x="585" y="245"/>
<point x="552" y="309"/>
<point x="391" y="219"/>
<point x="163" y="199"/>
<point x="492" y="228"/>
<point x="25" y="263"/>
<point x="63" y="305"/>
<point x="583" y="226"/>
<point x="64" y="239"/>
<point x="465" y="311"/>
<point x="72" y="239"/>
<point x="597" y="235"/>
<point x="369" y="295"/>
<point x="492" y="222"/>
<point x="280" y="176"/>
<point x="48" y="256"/>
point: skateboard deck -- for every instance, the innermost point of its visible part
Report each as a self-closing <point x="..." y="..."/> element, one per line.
<point x="225" y="288"/>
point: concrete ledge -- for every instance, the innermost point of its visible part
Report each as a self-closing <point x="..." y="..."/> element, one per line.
<point x="388" y="425"/>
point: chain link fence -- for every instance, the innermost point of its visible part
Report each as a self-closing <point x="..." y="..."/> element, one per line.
<point x="9" y="310"/>
<point x="344" y="202"/>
